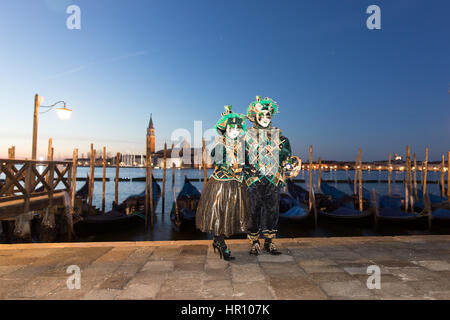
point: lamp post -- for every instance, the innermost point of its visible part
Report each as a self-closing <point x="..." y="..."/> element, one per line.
<point x="63" y="113"/>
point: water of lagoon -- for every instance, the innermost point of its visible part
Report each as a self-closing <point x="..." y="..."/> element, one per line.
<point x="164" y="228"/>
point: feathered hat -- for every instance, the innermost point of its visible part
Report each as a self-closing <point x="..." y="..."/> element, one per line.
<point x="229" y="118"/>
<point x="259" y="105"/>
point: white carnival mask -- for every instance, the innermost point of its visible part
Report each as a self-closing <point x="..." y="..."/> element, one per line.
<point x="264" y="118"/>
<point x="233" y="132"/>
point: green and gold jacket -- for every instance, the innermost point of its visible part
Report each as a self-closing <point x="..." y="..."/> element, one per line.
<point x="266" y="149"/>
<point x="229" y="159"/>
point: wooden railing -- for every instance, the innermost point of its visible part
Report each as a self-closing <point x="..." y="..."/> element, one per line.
<point x="24" y="182"/>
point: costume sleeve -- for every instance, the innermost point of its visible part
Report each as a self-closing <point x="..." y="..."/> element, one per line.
<point x="285" y="149"/>
<point x="218" y="155"/>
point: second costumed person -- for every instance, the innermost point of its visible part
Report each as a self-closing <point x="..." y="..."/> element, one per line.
<point x="224" y="206"/>
<point x="267" y="151"/>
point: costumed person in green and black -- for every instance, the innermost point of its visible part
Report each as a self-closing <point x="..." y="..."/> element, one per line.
<point x="267" y="150"/>
<point x="224" y="205"/>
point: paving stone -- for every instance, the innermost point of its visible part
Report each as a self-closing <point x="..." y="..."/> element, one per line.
<point x="434" y="265"/>
<point x="393" y="263"/>
<point x="137" y="291"/>
<point x="217" y="288"/>
<point x="384" y="278"/>
<point x="181" y="287"/>
<point x="330" y="277"/>
<point x="183" y="274"/>
<point x="189" y="267"/>
<point x="5" y="270"/>
<point x="395" y="290"/>
<point x="246" y="272"/>
<point x="356" y="270"/>
<point x="322" y="269"/>
<point x="27" y="272"/>
<point x="216" y="264"/>
<point x="316" y="262"/>
<point x="36" y="288"/>
<point x="115" y="255"/>
<point x="414" y="274"/>
<point x="140" y="255"/>
<point x="194" y="250"/>
<point x="117" y="281"/>
<point x="218" y="274"/>
<point x="275" y="259"/>
<point x="352" y="289"/>
<point x="62" y="292"/>
<point x="149" y="277"/>
<point x="296" y="288"/>
<point x="305" y="253"/>
<point x="281" y="270"/>
<point x="9" y="285"/>
<point x="426" y="287"/>
<point x="158" y="266"/>
<point x="439" y="295"/>
<point x="99" y="272"/>
<point x="165" y="253"/>
<point x="102" y="294"/>
<point x="252" y="290"/>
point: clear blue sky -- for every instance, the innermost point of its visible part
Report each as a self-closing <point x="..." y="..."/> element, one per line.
<point x="339" y="85"/>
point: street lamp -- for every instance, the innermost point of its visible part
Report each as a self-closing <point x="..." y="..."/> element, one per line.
<point x="63" y="113"/>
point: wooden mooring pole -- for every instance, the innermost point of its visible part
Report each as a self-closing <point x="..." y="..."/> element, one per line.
<point x="415" y="177"/>
<point x="152" y="211"/>
<point x="116" y="187"/>
<point x="164" y="178"/>
<point x="424" y="187"/>
<point x="360" y="182"/>
<point x="443" y="177"/>
<point x="104" y="179"/>
<point x="73" y="188"/>
<point x="448" y="179"/>
<point x="91" y="174"/>
<point x="389" y="174"/>
<point x="320" y="174"/>
<point x="173" y="170"/>
<point x="11" y="155"/>
<point x="355" y="180"/>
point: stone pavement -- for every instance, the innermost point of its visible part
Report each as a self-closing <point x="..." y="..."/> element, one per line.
<point x="412" y="267"/>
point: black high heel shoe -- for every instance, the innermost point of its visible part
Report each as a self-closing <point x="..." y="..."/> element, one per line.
<point x="224" y="253"/>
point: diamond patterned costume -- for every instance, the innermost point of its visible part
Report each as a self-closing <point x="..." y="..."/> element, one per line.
<point x="266" y="149"/>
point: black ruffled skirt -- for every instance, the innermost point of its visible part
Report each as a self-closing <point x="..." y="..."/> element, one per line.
<point x="224" y="208"/>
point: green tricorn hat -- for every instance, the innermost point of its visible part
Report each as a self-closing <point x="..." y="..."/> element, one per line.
<point x="229" y="118"/>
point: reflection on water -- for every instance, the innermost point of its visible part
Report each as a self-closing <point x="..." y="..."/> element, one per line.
<point x="164" y="229"/>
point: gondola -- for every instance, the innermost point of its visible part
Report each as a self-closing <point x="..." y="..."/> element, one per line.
<point x="127" y="215"/>
<point x="398" y="216"/>
<point x="184" y="209"/>
<point x="342" y="207"/>
<point x="292" y="210"/>
<point x="384" y="201"/>
<point x="436" y="201"/>
<point x="441" y="216"/>
<point x="136" y="203"/>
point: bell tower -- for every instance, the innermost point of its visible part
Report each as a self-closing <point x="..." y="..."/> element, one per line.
<point x="151" y="133"/>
